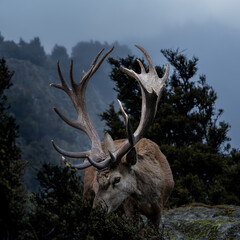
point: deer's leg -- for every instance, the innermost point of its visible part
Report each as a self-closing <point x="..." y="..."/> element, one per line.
<point x="152" y="212"/>
<point x="155" y="216"/>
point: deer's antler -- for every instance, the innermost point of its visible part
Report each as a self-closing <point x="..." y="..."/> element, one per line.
<point x="151" y="89"/>
<point x="83" y="122"/>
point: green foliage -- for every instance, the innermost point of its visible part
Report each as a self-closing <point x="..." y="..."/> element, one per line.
<point x="117" y="226"/>
<point x="187" y="128"/>
<point x="193" y="117"/>
<point x="12" y="167"/>
<point x="59" y="208"/>
<point x="61" y="212"/>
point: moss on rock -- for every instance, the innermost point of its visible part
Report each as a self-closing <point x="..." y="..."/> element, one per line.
<point x="202" y="222"/>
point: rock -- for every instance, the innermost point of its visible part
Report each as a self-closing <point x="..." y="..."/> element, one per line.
<point x="202" y="222"/>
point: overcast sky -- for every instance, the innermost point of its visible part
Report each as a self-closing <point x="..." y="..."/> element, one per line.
<point x="208" y="29"/>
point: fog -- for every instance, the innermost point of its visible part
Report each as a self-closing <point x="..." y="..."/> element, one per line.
<point x="209" y="30"/>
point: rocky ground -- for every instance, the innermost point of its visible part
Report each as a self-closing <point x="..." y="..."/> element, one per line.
<point x="202" y="222"/>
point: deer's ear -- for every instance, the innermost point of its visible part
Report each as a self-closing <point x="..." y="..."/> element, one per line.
<point x="108" y="143"/>
<point x="131" y="157"/>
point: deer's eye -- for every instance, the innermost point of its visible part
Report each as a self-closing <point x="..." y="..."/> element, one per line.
<point x="116" y="180"/>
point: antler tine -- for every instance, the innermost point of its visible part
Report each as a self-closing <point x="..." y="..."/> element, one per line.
<point x="90" y="70"/>
<point x="81" y="87"/>
<point x="92" y="64"/>
<point x="151" y="66"/>
<point x="72" y="123"/>
<point x="70" y="154"/>
<point x="72" y="82"/>
<point x="128" y="125"/>
<point x="141" y="66"/>
<point x="64" y="84"/>
<point x="83" y="165"/>
<point x="101" y="60"/>
<point x="100" y="165"/>
<point x="93" y="68"/>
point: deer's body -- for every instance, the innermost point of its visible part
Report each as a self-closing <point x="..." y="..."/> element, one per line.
<point x="133" y="171"/>
<point x="151" y="174"/>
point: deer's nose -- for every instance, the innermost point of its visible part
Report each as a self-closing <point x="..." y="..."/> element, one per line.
<point x="100" y="203"/>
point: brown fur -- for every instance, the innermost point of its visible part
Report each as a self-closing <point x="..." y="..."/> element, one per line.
<point x="149" y="182"/>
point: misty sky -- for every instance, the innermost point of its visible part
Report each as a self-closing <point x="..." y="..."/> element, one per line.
<point x="208" y="29"/>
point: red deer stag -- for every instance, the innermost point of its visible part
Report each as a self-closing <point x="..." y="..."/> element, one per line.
<point x="133" y="172"/>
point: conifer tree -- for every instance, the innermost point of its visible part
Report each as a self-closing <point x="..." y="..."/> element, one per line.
<point x="187" y="127"/>
<point x="12" y="210"/>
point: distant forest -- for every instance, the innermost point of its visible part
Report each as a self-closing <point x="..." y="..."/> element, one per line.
<point x="32" y="100"/>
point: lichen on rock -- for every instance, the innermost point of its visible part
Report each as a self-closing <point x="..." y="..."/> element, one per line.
<point x="201" y="221"/>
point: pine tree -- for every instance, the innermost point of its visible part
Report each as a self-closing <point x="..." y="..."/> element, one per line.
<point x="12" y="167"/>
<point x="59" y="211"/>
<point x="187" y="127"/>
